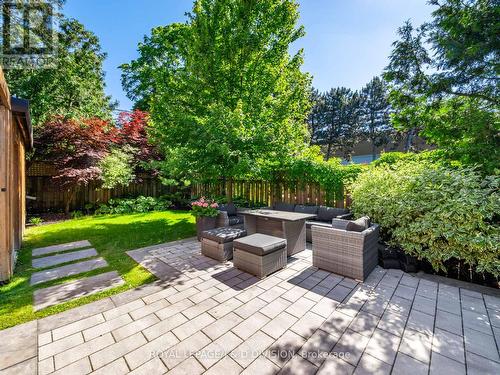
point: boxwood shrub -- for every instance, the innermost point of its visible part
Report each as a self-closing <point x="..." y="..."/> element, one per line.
<point x="434" y="212"/>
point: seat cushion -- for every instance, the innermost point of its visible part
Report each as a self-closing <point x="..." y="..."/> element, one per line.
<point x="358" y="225"/>
<point x="313" y="210"/>
<point x="310" y="223"/>
<point x="230" y="208"/>
<point x="328" y="213"/>
<point x="340" y="224"/>
<point x="280" y="206"/>
<point x="260" y="244"/>
<point x="224" y="234"/>
<point x="235" y="220"/>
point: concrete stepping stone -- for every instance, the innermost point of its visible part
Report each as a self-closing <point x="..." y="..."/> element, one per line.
<point x="68" y="270"/>
<point x="57" y="248"/>
<point x="63" y="258"/>
<point x="79" y="288"/>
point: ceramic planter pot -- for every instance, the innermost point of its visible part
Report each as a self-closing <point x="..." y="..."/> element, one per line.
<point x="204" y="223"/>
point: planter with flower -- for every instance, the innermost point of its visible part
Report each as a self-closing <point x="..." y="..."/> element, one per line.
<point x="205" y="211"/>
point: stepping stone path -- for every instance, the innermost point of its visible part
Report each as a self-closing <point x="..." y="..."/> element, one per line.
<point x="58" y="248"/>
<point x="63" y="258"/>
<point x="69" y="270"/>
<point x="79" y="288"/>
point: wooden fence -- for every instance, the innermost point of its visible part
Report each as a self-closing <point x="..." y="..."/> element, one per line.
<point x="49" y="198"/>
<point x="263" y="192"/>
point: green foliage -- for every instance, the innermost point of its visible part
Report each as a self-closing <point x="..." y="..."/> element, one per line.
<point x="117" y="168"/>
<point x="76" y="214"/>
<point x="36" y="221"/>
<point x="73" y="89"/>
<point x="134" y="205"/>
<point x="433" y="211"/>
<point x="340" y="118"/>
<point x="444" y="81"/>
<point x="310" y="167"/>
<point x="435" y="156"/>
<point x="222" y="89"/>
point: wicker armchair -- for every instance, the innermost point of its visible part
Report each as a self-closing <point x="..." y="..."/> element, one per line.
<point x="348" y="253"/>
<point x="228" y="216"/>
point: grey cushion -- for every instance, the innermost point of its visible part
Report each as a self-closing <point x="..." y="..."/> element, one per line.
<point x="328" y="213"/>
<point x="340" y="224"/>
<point x="235" y="220"/>
<point x="358" y="225"/>
<point x="280" y="206"/>
<point x="313" y="210"/>
<point x="230" y="208"/>
<point x="310" y="223"/>
<point x="224" y="234"/>
<point x="260" y="244"/>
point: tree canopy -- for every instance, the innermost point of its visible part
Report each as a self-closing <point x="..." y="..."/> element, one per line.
<point x="444" y="78"/>
<point x="223" y="90"/>
<point x="341" y="117"/>
<point x="74" y="88"/>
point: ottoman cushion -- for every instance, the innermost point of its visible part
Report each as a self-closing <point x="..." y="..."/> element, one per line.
<point x="224" y="234"/>
<point x="260" y="244"/>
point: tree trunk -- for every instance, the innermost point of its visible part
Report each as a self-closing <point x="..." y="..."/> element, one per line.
<point x="328" y="151"/>
<point x="229" y="190"/>
<point x="374" y="152"/>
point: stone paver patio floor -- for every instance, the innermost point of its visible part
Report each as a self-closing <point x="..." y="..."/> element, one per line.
<point x="206" y="317"/>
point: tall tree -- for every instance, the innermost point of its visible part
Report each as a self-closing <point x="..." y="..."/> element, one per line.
<point x="448" y="69"/>
<point x="226" y="93"/>
<point x="340" y="121"/>
<point x="375" y="124"/>
<point x="74" y="88"/>
<point x="316" y="116"/>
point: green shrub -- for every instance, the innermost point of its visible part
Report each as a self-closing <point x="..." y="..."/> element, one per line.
<point x="77" y="214"/>
<point x="36" y="221"/>
<point x="134" y="205"/>
<point x="117" y="168"/>
<point x="434" y="212"/>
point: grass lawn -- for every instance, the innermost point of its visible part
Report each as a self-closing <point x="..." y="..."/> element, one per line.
<point x="111" y="236"/>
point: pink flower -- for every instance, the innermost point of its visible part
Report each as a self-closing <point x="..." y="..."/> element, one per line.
<point x="214" y="205"/>
<point x="205" y="204"/>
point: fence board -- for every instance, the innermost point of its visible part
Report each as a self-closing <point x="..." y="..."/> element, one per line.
<point x="267" y="193"/>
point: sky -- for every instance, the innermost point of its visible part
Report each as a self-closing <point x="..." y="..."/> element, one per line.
<point x="347" y="42"/>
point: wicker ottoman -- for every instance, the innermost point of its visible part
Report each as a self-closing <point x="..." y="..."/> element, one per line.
<point x="218" y="243"/>
<point x="259" y="254"/>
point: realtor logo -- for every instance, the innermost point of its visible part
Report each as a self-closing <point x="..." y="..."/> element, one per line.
<point x="29" y="34"/>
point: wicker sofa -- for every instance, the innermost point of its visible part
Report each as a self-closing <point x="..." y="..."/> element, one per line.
<point x="324" y="214"/>
<point x="346" y="252"/>
<point x="228" y="216"/>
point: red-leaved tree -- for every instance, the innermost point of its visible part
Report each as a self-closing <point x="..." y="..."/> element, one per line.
<point x="133" y="132"/>
<point x="74" y="148"/>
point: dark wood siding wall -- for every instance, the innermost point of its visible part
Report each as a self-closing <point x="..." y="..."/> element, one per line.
<point x="13" y="139"/>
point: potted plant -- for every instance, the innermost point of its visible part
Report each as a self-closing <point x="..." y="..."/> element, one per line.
<point x="205" y="211"/>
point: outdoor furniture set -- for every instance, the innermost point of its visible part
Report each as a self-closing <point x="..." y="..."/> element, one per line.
<point x="342" y="246"/>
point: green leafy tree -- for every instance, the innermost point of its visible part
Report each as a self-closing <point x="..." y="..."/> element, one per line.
<point x="375" y="109"/>
<point x="223" y="90"/>
<point x="74" y="88"/>
<point x="117" y="168"/>
<point x="448" y="69"/>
